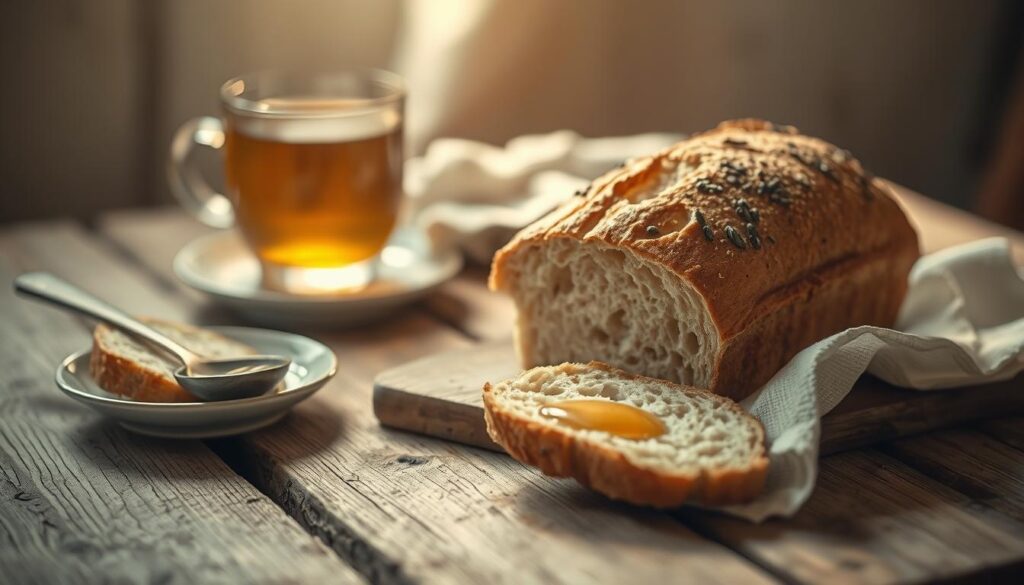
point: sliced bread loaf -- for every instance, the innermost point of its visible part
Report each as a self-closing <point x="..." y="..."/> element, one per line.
<point x="711" y="263"/>
<point x="712" y="452"/>
<point x="122" y="365"/>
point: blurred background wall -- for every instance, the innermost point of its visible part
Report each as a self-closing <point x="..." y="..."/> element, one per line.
<point x="922" y="90"/>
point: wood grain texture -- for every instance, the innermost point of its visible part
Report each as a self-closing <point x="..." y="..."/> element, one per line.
<point x="155" y="255"/>
<point x="440" y="396"/>
<point x="472" y="309"/>
<point x="871" y="519"/>
<point x="977" y="464"/>
<point x="401" y="508"/>
<point x="876" y="412"/>
<point x="1008" y="430"/>
<point x="83" y="501"/>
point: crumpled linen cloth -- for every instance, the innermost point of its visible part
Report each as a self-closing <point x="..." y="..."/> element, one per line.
<point x="477" y="196"/>
<point x="961" y="324"/>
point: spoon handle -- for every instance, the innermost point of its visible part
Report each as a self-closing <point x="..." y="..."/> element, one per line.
<point x="47" y="287"/>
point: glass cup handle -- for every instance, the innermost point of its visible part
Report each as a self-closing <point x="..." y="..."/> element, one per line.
<point x="187" y="184"/>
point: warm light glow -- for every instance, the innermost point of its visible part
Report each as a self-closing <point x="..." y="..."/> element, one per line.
<point x="328" y="280"/>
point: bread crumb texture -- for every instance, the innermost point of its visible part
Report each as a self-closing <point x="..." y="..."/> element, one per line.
<point x="713" y="452"/>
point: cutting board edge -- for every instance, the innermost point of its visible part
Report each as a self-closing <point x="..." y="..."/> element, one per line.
<point x="448" y="417"/>
<point x="457" y="416"/>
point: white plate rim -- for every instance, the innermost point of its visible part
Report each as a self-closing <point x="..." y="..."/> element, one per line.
<point x="449" y="260"/>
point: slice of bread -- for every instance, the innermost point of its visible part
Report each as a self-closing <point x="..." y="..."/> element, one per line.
<point x="122" y="365"/>
<point x="712" y="453"/>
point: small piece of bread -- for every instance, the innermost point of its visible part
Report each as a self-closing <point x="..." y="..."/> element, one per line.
<point x="713" y="452"/>
<point x="122" y="365"/>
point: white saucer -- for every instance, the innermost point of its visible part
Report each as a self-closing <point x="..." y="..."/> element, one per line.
<point x="313" y="364"/>
<point x="221" y="265"/>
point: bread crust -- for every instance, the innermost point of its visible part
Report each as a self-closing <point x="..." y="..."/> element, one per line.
<point x="124" y="376"/>
<point x="121" y="375"/>
<point x="559" y="452"/>
<point x="834" y="247"/>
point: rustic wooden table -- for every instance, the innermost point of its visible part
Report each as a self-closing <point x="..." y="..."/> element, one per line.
<point x="328" y="494"/>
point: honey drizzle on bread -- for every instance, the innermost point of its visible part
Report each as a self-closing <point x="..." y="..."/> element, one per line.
<point x="712" y="452"/>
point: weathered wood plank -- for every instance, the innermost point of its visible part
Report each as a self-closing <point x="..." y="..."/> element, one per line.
<point x="403" y="508"/>
<point x="1008" y="430"/>
<point x="875" y="411"/>
<point x="82" y="500"/>
<point x="155" y="236"/>
<point x="469" y="307"/>
<point x="988" y="470"/>
<point x="873" y="520"/>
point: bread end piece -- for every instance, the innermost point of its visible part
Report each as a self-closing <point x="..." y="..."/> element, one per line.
<point x="121" y="365"/>
<point x="120" y="375"/>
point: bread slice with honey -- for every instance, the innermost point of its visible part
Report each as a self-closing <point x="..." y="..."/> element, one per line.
<point x="711" y="451"/>
<point x="121" y="365"/>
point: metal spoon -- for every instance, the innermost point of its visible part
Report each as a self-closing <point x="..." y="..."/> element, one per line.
<point x="208" y="379"/>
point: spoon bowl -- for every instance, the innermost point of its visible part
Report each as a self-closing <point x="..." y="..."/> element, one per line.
<point x="232" y="378"/>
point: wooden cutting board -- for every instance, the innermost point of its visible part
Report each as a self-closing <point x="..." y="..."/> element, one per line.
<point x="440" y="396"/>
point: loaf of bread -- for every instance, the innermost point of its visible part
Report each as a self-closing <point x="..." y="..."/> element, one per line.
<point x="711" y="452"/>
<point x="711" y="263"/>
<point x="121" y="365"/>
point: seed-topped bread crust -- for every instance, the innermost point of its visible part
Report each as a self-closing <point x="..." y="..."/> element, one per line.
<point x="786" y="238"/>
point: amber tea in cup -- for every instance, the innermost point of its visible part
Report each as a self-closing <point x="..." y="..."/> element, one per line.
<point x="313" y="173"/>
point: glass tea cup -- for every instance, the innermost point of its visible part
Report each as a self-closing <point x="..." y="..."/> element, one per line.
<point x="313" y="173"/>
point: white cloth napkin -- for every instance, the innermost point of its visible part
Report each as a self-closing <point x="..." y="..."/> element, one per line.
<point x="961" y="324"/>
<point x="476" y="196"/>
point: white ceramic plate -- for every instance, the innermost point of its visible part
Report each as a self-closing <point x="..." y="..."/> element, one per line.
<point x="221" y="265"/>
<point x="313" y="364"/>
